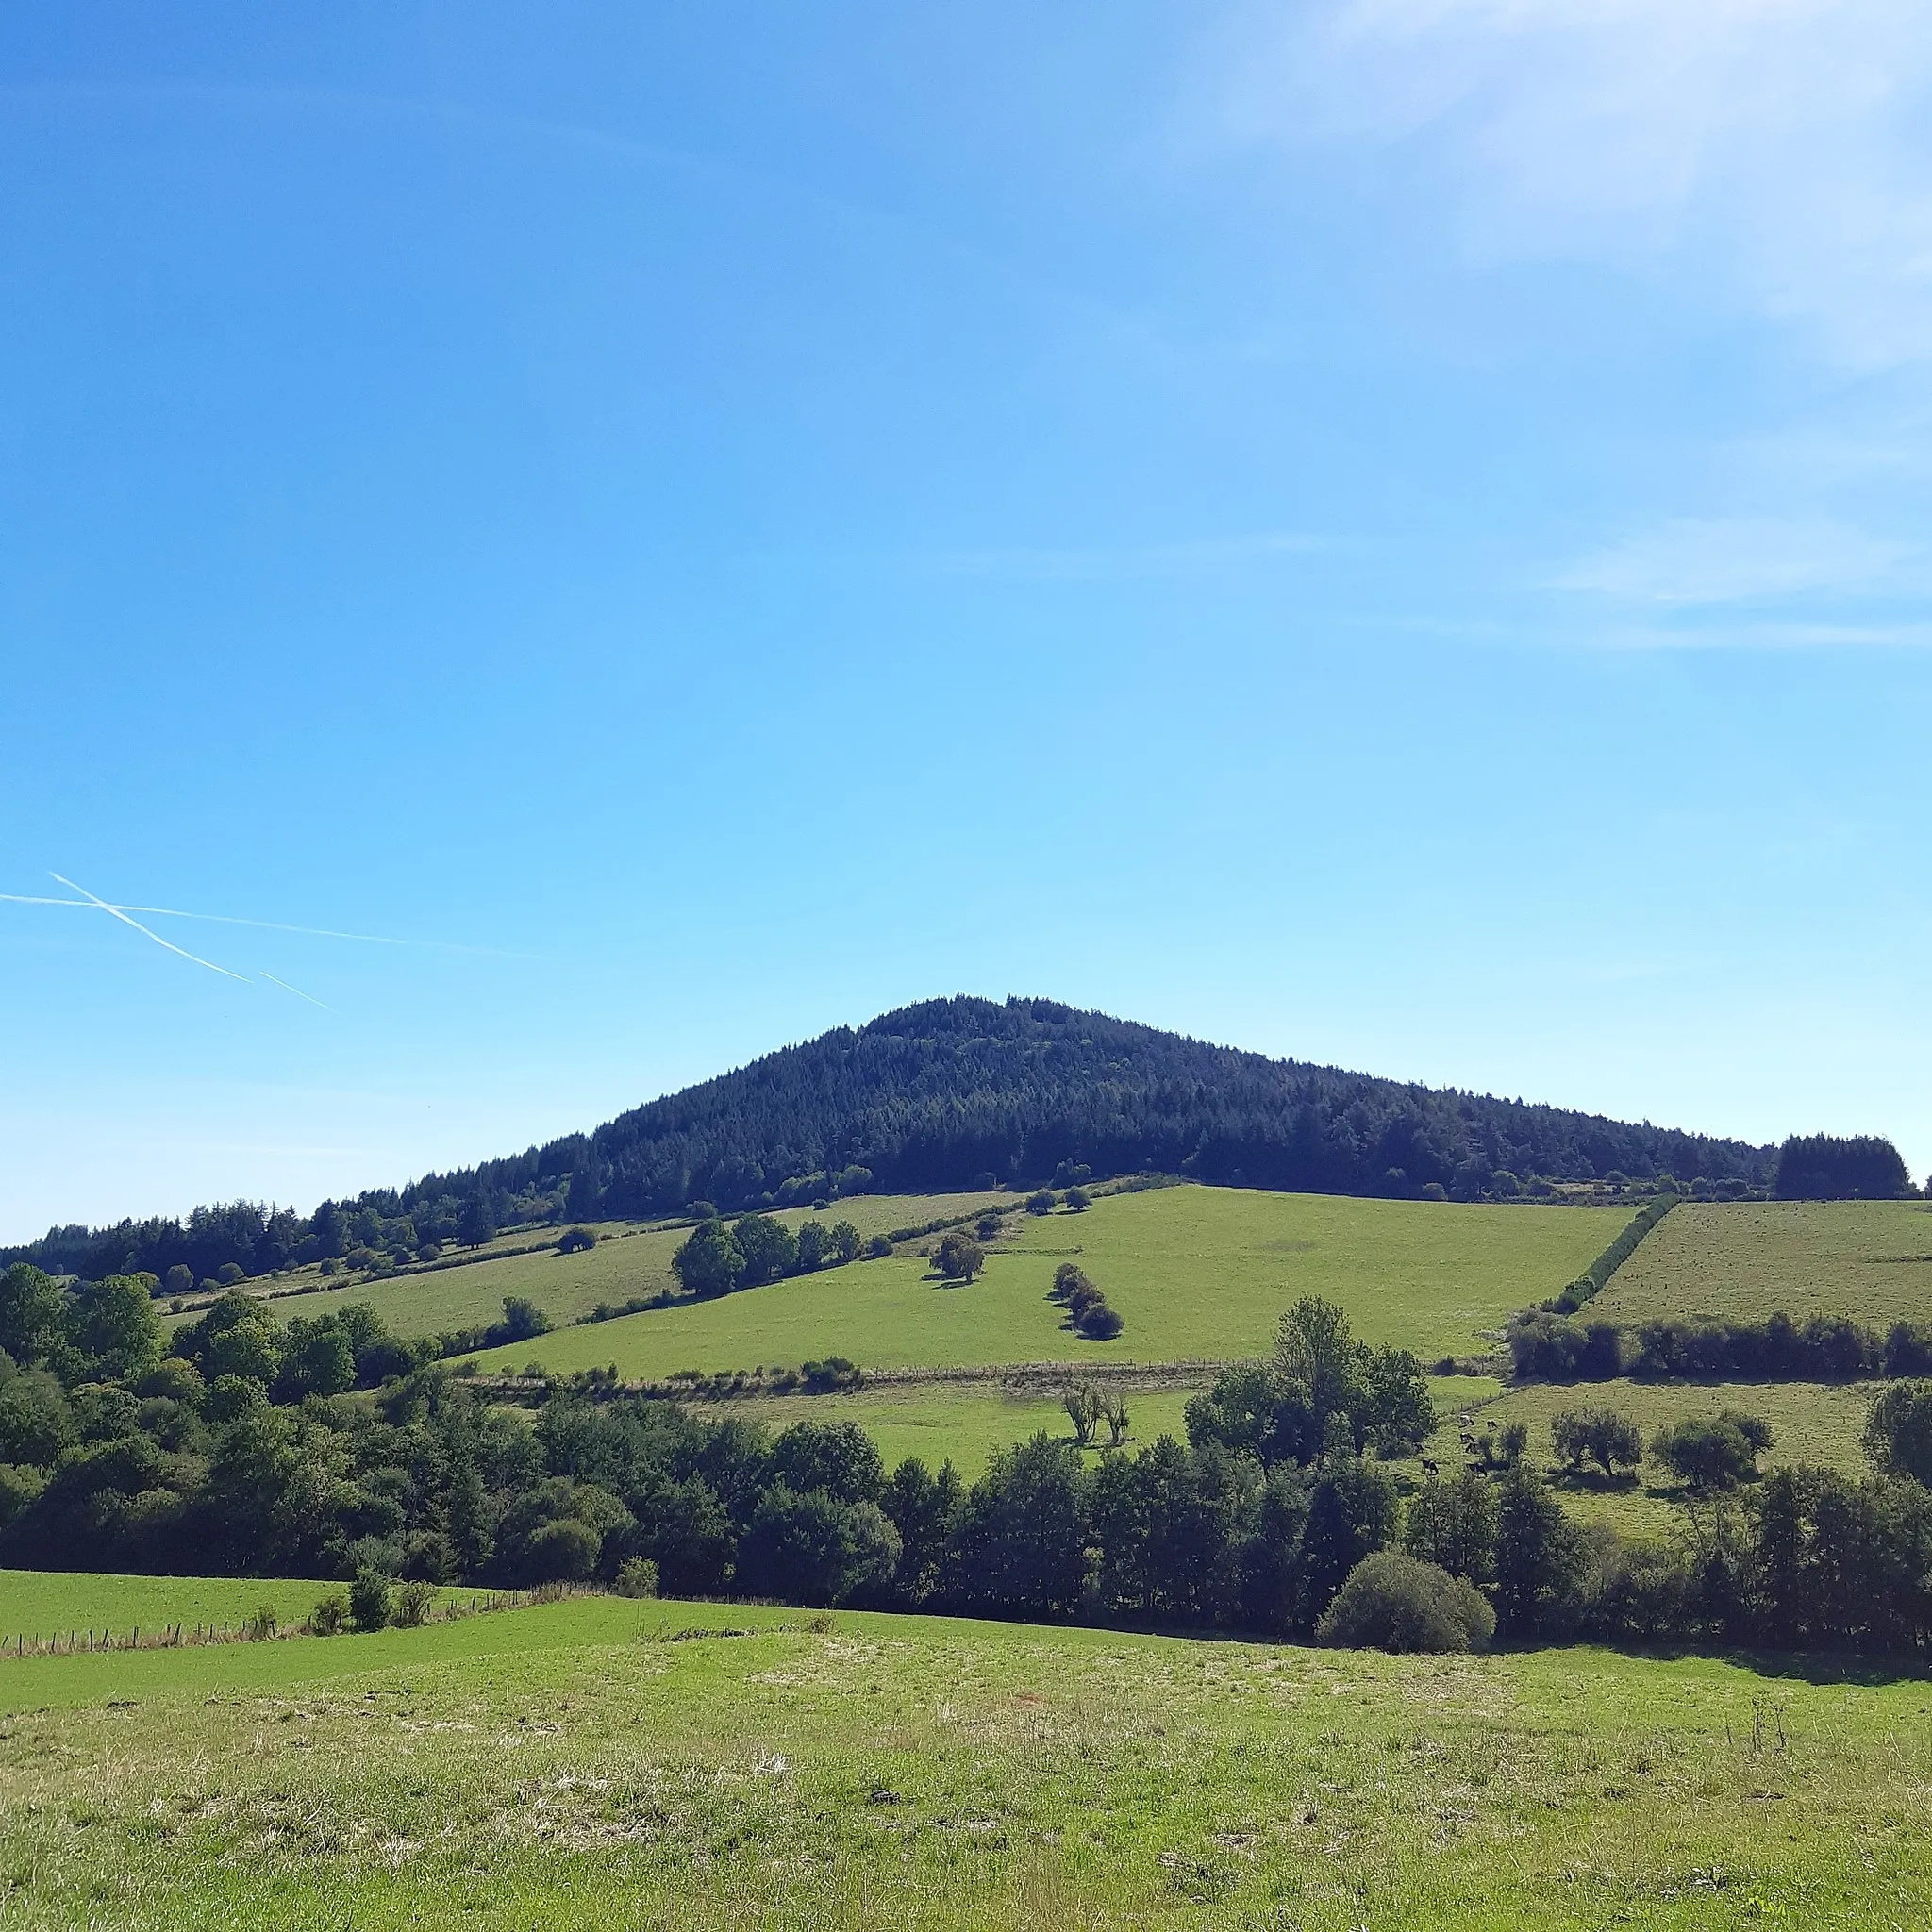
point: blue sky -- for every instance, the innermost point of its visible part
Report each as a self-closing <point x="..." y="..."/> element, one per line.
<point x="1391" y="533"/>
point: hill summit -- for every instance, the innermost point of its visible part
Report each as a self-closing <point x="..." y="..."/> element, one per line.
<point x="952" y="1091"/>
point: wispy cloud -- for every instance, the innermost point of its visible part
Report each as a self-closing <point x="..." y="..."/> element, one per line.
<point x="1707" y="561"/>
<point x="1782" y="141"/>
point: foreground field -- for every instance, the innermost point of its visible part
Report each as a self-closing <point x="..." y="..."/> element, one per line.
<point x="599" y="1762"/>
<point x="1743" y="1261"/>
<point x="1197" y="1272"/>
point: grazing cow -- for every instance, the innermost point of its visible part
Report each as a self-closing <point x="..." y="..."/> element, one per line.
<point x="1428" y="1467"/>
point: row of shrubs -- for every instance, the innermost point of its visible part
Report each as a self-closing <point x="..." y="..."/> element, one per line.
<point x="1596" y="1276"/>
<point x="1088" y="1312"/>
<point x="1546" y="1347"/>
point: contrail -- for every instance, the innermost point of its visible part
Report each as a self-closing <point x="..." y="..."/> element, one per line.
<point x="115" y="912"/>
<point x="298" y="993"/>
<point x="313" y="932"/>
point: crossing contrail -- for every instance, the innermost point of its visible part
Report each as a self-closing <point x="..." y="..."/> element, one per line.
<point x="313" y="932"/>
<point x="116" y="912"/>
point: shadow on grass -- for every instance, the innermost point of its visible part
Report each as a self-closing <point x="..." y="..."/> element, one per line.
<point x="1819" y="1668"/>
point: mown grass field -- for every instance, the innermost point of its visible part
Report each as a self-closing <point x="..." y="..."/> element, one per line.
<point x="1743" y="1261"/>
<point x="611" y="1763"/>
<point x="1198" y="1272"/>
<point x="629" y="1259"/>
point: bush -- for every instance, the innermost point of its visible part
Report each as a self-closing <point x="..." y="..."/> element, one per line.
<point x="768" y="1248"/>
<point x="709" y="1261"/>
<point x="1071" y="1285"/>
<point x="1040" y="1201"/>
<point x="879" y="1246"/>
<point x="412" y="1604"/>
<point x="1596" y="1435"/>
<point x="228" y="1273"/>
<point x="562" y="1551"/>
<point x="261" y="1626"/>
<point x="637" y="1576"/>
<point x="1079" y="1200"/>
<point x="815" y="1548"/>
<point x="1396" y="1602"/>
<point x="958" y="1257"/>
<point x="574" y="1241"/>
<point x="369" y="1599"/>
<point x="987" y="1227"/>
<point x="1101" y="1322"/>
<point x="1716" y="1454"/>
<point x="523" y="1321"/>
<point x="330" y="1616"/>
<point x="1898" y="1437"/>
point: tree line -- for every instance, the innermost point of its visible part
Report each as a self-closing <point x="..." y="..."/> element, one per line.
<point x="1549" y="1347"/>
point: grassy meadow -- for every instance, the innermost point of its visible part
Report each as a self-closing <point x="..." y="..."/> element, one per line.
<point x="600" y="1762"/>
<point x="44" y="1605"/>
<point x="1198" y="1272"/>
<point x="1743" y="1261"/>
<point x="1810" y="1422"/>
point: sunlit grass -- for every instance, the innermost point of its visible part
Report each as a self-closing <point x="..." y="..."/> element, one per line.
<point x="1743" y="1261"/>
<point x="599" y="1762"/>
<point x="1197" y="1272"/>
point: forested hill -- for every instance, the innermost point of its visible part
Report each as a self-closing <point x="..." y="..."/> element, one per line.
<point x="938" y="1096"/>
<point x="935" y="1095"/>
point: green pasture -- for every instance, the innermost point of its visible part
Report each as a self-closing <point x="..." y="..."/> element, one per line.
<point x="1810" y="1422"/>
<point x="598" y="1762"/>
<point x="45" y="1604"/>
<point x="963" y="1422"/>
<point x="630" y="1259"/>
<point x="1743" y="1261"/>
<point x="1198" y="1272"/>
